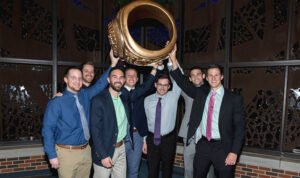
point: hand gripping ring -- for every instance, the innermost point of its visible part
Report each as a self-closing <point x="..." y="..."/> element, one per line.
<point x="122" y="43"/>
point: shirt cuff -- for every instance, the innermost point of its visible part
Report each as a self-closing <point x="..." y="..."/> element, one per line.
<point x="51" y="155"/>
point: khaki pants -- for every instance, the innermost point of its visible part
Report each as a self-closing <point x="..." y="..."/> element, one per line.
<point x="119" y="168"/>
<point x="74" y="163"/>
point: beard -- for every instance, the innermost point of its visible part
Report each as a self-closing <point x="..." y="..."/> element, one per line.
<point x="73" y="89"/>
<point x="88" y="79"/>
<point x="115" y="87"/>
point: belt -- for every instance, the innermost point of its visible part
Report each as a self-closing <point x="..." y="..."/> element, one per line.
<point x="211" y="140"/>
<point x="118" y="144"/>
<point x="134" y="130"/>
<point x="71" y="147"/>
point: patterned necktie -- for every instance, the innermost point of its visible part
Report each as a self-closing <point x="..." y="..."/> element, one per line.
<point x="210" y="115"/>
<point x="156" y="139"/>
<point x="83" y="119"/>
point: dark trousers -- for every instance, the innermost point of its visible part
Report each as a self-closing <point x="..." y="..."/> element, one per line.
<point x="164" y="152"/>
<point x="208" y="153"/>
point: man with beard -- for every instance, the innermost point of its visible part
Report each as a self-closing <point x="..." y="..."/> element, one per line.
<point x="196" y="77"/>
<point x="66" y="125"/>
<point x="109" y="126"/>
<point x="88" y="74"/>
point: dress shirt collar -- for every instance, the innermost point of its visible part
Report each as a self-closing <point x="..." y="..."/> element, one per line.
<point x="159" y="96"/>
<point x="129" y="88"/>
<point x="68" y="93"/>
<point x="219" y="91"/>
<point x="115" y="98"/>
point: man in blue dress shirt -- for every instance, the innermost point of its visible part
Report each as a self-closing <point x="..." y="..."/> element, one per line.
<point x="65" y="132"/>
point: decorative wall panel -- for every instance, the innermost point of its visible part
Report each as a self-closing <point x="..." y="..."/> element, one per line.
<point x="262" y="90"/>
<point x="6" y="12"/>
<point x="256" y="25"/>
<point x="36" y="23"/>
<point x="196" y="40"/>
<point x="295" y="51"/>
<point x="204" y="27"/>
<point x="23" y="100"/>
<point x="26" y="28"/>
<point x="292" y="120"/>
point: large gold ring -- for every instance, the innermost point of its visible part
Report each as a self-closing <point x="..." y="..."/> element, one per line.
<point x="122" y="43"/>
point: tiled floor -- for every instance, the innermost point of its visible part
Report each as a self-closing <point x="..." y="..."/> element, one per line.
<point x="177" y="173"/>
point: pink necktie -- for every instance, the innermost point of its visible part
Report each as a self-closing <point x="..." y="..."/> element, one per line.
<point x="209" y="115"/>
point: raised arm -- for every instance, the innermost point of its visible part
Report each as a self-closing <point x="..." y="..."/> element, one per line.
<point x="179" y="78"/>
<point x="101" y="83"/>
<point x="141" y="90"/>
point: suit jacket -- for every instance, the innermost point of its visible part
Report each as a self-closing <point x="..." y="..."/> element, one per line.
<point x="136" y="100"/>
<point x="188" y="102"/>
<point x="231" y="117"/>
<point x="104" y="128"/>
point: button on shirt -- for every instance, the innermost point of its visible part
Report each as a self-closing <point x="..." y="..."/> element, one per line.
<point x="62" y="124"/>
<point x="169" y="103"/>
<point x="121" y="117"/>
<point x="216" y="112"/>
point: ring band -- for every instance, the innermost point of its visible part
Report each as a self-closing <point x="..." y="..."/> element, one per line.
<point x="123" y="44"/>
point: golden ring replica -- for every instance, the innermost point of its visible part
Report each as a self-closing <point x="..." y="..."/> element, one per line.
<point x="122" y="43"/>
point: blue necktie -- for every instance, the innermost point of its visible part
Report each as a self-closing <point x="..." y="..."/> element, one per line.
<point x="156" y="139"/>
<point x="83" y="119"/>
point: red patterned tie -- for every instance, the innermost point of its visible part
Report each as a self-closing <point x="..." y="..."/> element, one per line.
<point x="210" y="115"/>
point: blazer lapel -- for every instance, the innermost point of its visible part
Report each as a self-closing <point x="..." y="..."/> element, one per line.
<point x="223" y="109"/>
<point x="110" y="104"/>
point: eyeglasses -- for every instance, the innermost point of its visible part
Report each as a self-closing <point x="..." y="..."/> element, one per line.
<point x="162" y="85"/>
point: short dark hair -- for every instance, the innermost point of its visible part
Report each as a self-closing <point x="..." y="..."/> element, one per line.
<point x="71" y="68"/>
<point x="215" y="66"/>
<point x="87" y="63"/>
<point x="116" y="68"/>
<point x="131" y="68"/>
<point x="163" y="76"/>
<point x="195" y="68"/>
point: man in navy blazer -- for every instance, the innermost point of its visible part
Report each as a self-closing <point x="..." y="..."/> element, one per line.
<point x="110" y="124"/>
<point x="136" y="94"/>
<point x="220" y="142"/>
